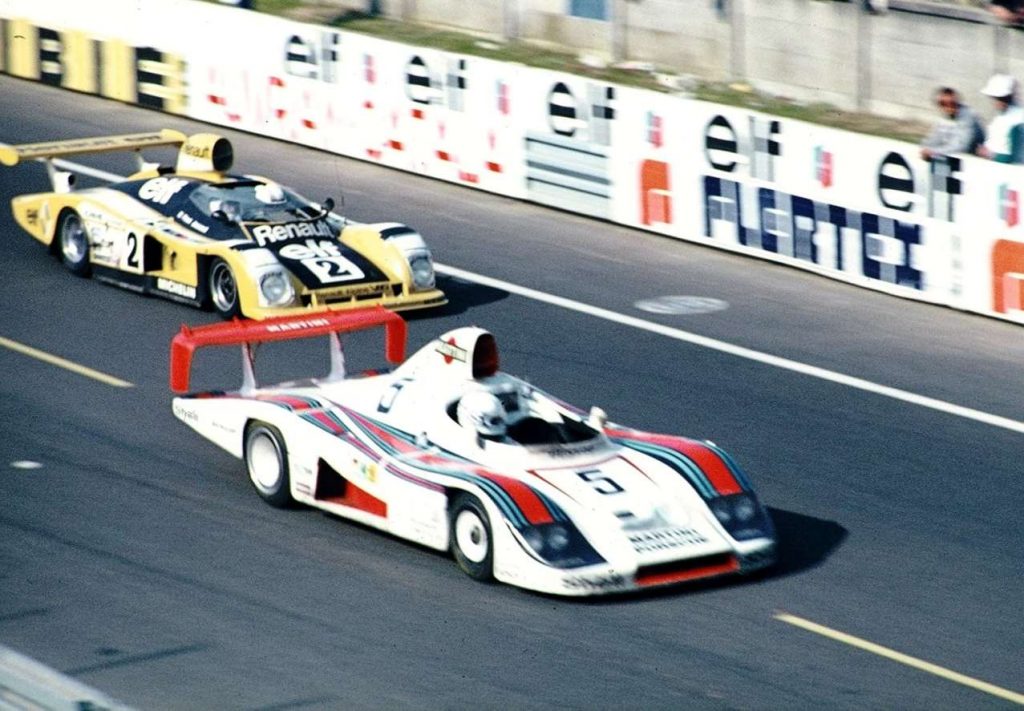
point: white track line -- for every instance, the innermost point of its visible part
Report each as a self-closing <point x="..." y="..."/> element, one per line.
<point x="895" y="656"/>
<point x="739" y="351"/>
<point x="692" y="338"/>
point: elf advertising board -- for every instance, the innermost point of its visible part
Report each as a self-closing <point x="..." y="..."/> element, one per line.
<point x="852" y="207"/>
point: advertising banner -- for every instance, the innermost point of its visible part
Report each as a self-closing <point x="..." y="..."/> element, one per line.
<point x="857" y="208"/>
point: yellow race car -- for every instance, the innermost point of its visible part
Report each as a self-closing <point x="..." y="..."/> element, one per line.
<point x="195" y="233"/>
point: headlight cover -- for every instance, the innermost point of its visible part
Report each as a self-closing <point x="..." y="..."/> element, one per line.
<point x="422" y="268"/>
<point x="742" y="516"/>
<point x="560" y="545"/>
<point x="276" y="288"/>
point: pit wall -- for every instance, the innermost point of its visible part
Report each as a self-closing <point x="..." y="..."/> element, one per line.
<point x="851" y="207"/>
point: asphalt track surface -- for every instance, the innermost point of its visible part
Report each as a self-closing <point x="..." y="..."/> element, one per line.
<point x="138" y="560"/>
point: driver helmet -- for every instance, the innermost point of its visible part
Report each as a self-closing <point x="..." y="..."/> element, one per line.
<point x="483" y="412"/>
<point x="270" y="194"/>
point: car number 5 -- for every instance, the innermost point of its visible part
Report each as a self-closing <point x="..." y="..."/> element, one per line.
<point x="599" y="482"/>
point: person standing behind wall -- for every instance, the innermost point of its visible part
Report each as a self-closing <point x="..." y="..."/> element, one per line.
<point x="958" y="131"/>
<point x="1005" y="143"/>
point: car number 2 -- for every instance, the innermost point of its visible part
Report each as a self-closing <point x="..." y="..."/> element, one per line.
<point x="599" y="482"/>
<point x="331" y="270"/>
<point x="131" y="246"/>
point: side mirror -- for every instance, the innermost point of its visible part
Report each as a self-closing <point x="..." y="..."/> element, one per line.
<point x="598" y="418"/>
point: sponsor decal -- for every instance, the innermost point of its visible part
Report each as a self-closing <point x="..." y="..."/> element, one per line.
<point x="196" y="151"/>
<point x="161" y="190"/>
<point x="944" y="187"/>
<point x="176" y="288"/>
<point x="594" y="582"/>
<point x="823" y="167"/>
<point x="831" y="236"/>
<point x="723" y="145"/>
<point x="655" y="193"/>
<point x="184" y="413"/>
<point x="32" y="216"/>
<point x="1009" y="205"/>
<point x="655" y="130"/>
<point x="297" y="325"/>
<point x="323" y="259"/>
<point x="451" y="352"/>
<point x="358" y="290"/>
<point x="187" y="219"/>
<point x="269" y="234"/>
<point x="664" y="538"/>
<point x="568" y="165"/>
<point x="562" y="450"/>
<point x="1008" y="277"/>
<point x="366" y="470"/>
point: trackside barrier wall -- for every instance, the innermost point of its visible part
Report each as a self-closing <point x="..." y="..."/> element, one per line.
<point x="852" y="207"/>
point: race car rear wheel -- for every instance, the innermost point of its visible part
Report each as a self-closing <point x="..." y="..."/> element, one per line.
<point x="73" y="242"/>
<point x="223" y="289"/>
<point x="470" y="535"/>
<point x="266" y="461"/>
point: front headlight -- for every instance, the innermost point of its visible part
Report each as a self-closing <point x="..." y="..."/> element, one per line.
<point x="422" y="268"/>
<point x="742" y="516"/>
<point x="276" y="288"/>
<point x="560" y="545"/>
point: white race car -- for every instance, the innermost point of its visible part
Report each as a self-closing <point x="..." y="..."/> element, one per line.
<point x="448" y="451"/>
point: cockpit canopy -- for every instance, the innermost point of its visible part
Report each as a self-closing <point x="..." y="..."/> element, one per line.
<point x="250" y="201"/>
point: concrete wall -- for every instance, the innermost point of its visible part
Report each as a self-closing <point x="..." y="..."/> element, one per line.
<point x="805" y="49"/>
<point x="911" y="55"/>
<point x="697" y="39"/>
<point x="479" y="16"/>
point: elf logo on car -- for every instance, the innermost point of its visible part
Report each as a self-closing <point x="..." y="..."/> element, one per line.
<point x="161" y="190"/>
<point x="267" y="234"/>
<point x="324" y="259"/>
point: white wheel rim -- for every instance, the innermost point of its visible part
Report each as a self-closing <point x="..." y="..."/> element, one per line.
<point x="471" y="536"/>
<point x="72" y="243"/>
<point x="264" y="462"/>
<point x="222" y="287"/>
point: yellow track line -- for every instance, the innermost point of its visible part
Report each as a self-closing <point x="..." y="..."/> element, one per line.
<point x="64" y="363"/>
<point x="901" y="658"/>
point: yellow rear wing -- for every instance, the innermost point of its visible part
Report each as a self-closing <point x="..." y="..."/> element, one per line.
<point x="11" y="155"/>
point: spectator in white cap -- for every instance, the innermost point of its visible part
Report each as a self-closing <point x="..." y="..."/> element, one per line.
<point x="1005" y="142"/>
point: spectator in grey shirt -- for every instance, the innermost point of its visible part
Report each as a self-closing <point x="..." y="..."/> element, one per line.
<point x="958" y="131"/>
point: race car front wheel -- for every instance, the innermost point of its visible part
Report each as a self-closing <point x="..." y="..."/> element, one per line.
<point x="470" y="535"/>
<point x="223" y="290"/>
<point x="73" y="242"/>
<point x="266" y="460"/>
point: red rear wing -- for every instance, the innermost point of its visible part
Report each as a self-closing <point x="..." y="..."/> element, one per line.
<point x="233" y="333"/>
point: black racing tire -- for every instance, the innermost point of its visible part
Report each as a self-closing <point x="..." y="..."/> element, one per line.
<point x="266" y="462"/>
<point x="472" y="543"/>
<point x="73" y="244"/>
<point x="223" y="289"/>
